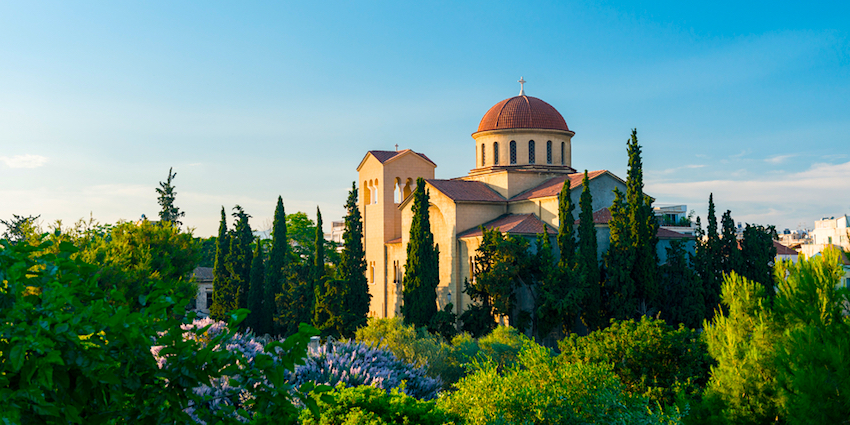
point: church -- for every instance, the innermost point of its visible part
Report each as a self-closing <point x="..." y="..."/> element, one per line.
<point x="523" y="158"/>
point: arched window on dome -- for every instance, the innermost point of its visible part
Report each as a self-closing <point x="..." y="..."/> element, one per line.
<point x="495" y="153"/>
<point x="562" y="153"/>
<point x="483" y="158"/>
<point x="513" y="152"/>
<point x="548" y="151"/>
<point x="531" y="156"/>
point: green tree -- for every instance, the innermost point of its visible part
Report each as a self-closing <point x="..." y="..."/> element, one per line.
<point x="319" y="244"/>
<point x="707" y="259"/>
<point x="588" y="262"/>
<point x="682" y="288"/>
<point x="758" y="254"/>
<point x="644" y="234"/>
<point x="560" y="293"/>
<point x="255" y="293"/>
<point x="169" y="213"/>
<point x="239" y="256"/>
<point x="352" y="268"/>
<point x="620" y="292"/>
<point x="278" y="259"/>
<point x="19" y="227"/>
<point x="730" y="254"/>
<point x="422" y="270"/>
<point x="224" y="292"/>
<point x="566" y="229"/>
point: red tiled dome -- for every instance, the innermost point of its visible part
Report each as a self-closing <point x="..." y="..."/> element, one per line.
<point x="522" y="112"/>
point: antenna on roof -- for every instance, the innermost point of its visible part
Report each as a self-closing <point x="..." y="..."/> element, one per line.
<point x="521" y="86"/>
<point x="396" y="147"/>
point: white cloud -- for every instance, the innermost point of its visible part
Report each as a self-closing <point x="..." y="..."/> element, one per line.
<point x="779" y="159"/>
<point x="24" y="161"/>
<point x="783" y="199"/>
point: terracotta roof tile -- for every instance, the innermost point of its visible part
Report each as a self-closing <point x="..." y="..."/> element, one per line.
<point x="522" y="224"/>
<point x="462" y="190"/>
<point x="602" y="216"/>
<point x="522" y="112"/>
<point x="669" y="234"/>
<point x="202" y="274"/>
<point x="783" y="250"/>
<point x="552" y="187"/>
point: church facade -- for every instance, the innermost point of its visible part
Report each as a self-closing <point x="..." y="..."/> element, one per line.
<point x="523" y="158"/>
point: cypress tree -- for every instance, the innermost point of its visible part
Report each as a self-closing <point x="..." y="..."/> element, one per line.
<point x="644" y="236"/>
<point x="730" y="253"/>
<point x="239" y="257"/>
<point x="588" y="262"/>
<point x="758" y="254"/>
<point x="711" y="272"/>
<point x="273" y="284"/>
<point x="566" y="229"/>
<point x="422" y="272"/>
<point x="255" y="293"/>
<point x="352" y="268"/>
<point x="224" y="294"/>
<point x="319" y="258"/>
<point x="684" y="297"/>
<point x="620" y="291"/>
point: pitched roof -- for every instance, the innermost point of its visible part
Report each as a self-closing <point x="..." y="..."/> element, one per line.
<point x="203" y="274"/>
<point x="784" y="250"/>
<point x="669" y="234"/>
<point x="463" y="190"/>
<point x="518" y="224"/>
<point x="552" y="187"/>
<point x="601" y="216"/>
<point x="384" y="156"/>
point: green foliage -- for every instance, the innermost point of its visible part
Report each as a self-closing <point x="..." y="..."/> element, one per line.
<point x="566" y="230"/>
<point x="374" y="406"/>
<point x="255" y="293"/>
<point x="707" y="260"/>
<point x="169" y="213"/>
<point x="273" y="285"/>
<point x="224" y="290"/>
<point x="587" y="264"/>
<point x="644" y="237"/>
<point x="730" y="254"/>
<point x="742" y="339"/>
<point x="319" y="254"/>
<point x="502" y="346"/>
<point x="620" y="291"/>
<point x="683" y="290"/>
<point x="422" y="269"/>
<point x="207" y="251"/>
<point x="651" y="358"/>
<point x="560" y="293"/>
<point x="541" y="390"/>
<point x="78" y="354"/>
<point x="758" y="254"/>
<point x="352" y="268"/>
<point x="297" y="304"/>
<point x="133" y="257"/>
<point x="20" y="227"/>
<point x="239" y="256"/>
<point x="502" y="268"/>
<point x="444" y="323"/>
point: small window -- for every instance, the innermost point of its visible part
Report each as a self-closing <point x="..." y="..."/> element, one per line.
<point x="513" y="152"/>
<point x="397" y="191"/>
<point x="562" y="153"/>
<point x="483" y="157"/>
<point x="549" y="152"/>
<point x="372" y="272"/>
<point x="209" y="299"/>
<point x="496" y="153"/>
<point x="531" y="152"/>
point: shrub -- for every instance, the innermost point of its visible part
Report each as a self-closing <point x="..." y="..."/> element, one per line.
<point x="373" y="406"/>
<point x="539" y="390"/>
<point x="650" y="357"/>
<point x="355" y="364"/>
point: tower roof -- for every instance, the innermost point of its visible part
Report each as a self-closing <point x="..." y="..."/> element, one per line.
<point x="522" y="112"/>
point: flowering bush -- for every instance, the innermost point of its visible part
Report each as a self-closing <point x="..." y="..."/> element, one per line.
<point x="354" y="364"/>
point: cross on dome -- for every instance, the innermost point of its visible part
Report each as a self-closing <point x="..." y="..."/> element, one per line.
<point x="521" y="86"/>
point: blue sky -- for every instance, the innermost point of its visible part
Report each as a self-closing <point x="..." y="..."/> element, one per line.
<point x="248" y="101"/>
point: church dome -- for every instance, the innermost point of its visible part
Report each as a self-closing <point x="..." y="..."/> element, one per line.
<point x="522" y="112"/>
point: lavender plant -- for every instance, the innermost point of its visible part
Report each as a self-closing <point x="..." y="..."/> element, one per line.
<point x="355" y="364"/>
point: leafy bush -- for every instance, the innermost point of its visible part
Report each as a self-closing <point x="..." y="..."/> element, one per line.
<point x="355" y="364"/>
<point x="71" y="352"/>
<point x="650" y="357"/>
<point x="370" y="405"/>
<point x="540" y="390"/>
<point x="503" y="345"/>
